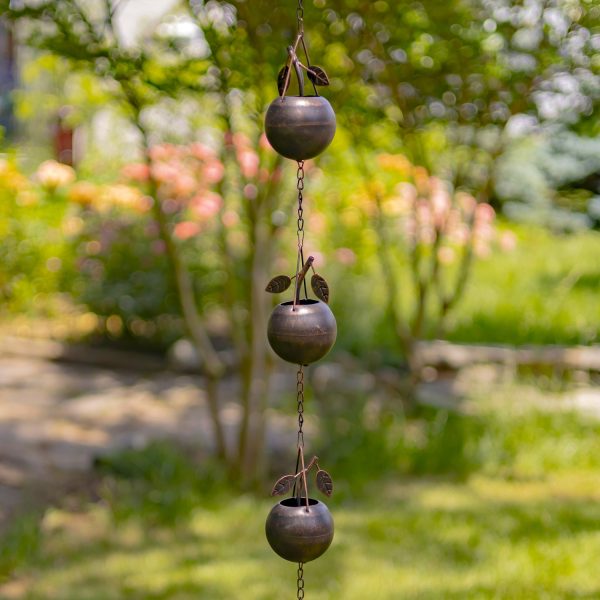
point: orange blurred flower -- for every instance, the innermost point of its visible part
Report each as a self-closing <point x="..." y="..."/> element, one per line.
<point x="52" y="174"/>
<point x="186" y="230"/>
<point x="84" y="193"/>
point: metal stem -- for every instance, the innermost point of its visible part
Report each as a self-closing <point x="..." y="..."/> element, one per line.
<point x="304" y="482"/>
<point x="297" y="68"/>
<point x="301" y="276"/>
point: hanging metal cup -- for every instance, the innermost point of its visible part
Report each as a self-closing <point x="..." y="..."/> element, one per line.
<point x="302" y="334"/>
<point x="297" y="533"/>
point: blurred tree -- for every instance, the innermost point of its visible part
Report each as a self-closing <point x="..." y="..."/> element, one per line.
<point x="139" y="77"/>
<point x="451" y="85"/>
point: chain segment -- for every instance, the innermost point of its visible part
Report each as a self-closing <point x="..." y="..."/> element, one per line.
<point x="300" y="222"/>
<point x="300" y="401"/>
<point x="300" y="17"/>
<point x="300" y="188"/>
<point x="300" y="582"/>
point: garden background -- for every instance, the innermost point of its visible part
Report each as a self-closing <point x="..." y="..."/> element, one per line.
<point x="143" y="417"/>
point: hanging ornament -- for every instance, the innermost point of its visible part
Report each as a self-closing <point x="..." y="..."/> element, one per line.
<point x="301" y="330"/>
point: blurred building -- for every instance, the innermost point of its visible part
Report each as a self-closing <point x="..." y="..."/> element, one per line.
<point x="7" y="78"/>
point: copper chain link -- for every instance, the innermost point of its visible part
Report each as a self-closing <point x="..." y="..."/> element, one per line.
<point x="300" y="581"/>
<point x="300" y="16"/>
<point x="300" y="188"/>
<point x="300" y="231"/>
<point x="300" y="401"/>
<point x="300" y="374"/>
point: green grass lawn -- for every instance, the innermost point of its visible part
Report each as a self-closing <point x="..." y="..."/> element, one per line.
<point x="488" y="538"/>
<point x="545" y="291"/>
<point x="522" y="523"/>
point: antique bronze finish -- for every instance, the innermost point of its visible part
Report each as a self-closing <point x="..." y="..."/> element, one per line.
<point x="301" y="330"/>
<point x="302" y="334"/>
<point x="300" y="127"/>
<point x="299" y="535"/>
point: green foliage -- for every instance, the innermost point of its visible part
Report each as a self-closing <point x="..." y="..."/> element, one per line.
<point x="534" y="177"/>
<point x="20" y="544"/>
<point x="122" y="271"/>
<point x="543" y="292"/>
<point x="159" y="482"/>
<point x="34" y="258"/>
<point x="522" y="525"/>
<point x="373" y="442"/>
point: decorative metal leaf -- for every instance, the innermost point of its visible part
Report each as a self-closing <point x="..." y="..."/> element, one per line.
<point x="283" y="485"/>
<point x="281" y="78"/>
<point x="279" y="284"/>
<point x="324" y="482"/>
<point x="317" y="75"/>
<point x="320" y="287"/>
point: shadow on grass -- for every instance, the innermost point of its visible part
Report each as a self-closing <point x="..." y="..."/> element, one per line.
<point x="163" y="529"/>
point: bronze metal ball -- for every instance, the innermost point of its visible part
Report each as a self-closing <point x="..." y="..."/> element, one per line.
<point x="304" y="335"/>
<point x="299" y="535"/>
<point x="300" y="127"/>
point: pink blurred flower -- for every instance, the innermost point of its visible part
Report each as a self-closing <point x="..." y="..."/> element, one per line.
<point x="164" y="172"/>
<point x="183" y="184"/>
<point x="230" y="218"/>
<point x="407" y="191"/>
<point x="163" y="152"/>
<point x="263" y="175"/>
<point x="170" y="206"/>
<point x="424" y="213"/>
<point x="460" y="234"/>
<point x="440" y="201"/>
<point x="206" y="205"/>
<point x="136" y="172"/>
<point x="228" y="138"/>
<point x="186" y="229"/>
<point x="345" y="256"/>
<point x="241" y="141"/>
<point x="201" y="151"/>
<point x="213" y="171"/>
<point x="483" y="231"/>
<point x="319" y="259"/>
<point x="249" y="163"/>
<point x="250" y="191"/>
<point x="485" y="212"/>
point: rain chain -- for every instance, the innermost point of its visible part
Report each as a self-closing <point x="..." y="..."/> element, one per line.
<point x="301" y="330"/>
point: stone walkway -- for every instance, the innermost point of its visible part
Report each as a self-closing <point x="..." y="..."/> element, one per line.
<point x="55" y="418"/>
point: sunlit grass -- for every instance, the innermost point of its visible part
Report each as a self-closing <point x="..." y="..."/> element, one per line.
<point x="542" y="292"/>
<point x="522" y="523"/>
<point x="488" y="538"/>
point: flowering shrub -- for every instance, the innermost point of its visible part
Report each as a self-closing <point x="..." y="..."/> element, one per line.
<point x="429" y="213"/>
<point x="52" y="175"/>
<point x="440" y="232"/>
<point x="33" y="250"/>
